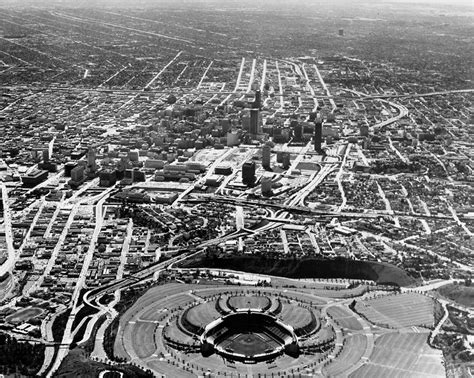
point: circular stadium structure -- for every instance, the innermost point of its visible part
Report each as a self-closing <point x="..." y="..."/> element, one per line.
<point x="248" y="328"/>
<point x="180" y="330"/>
<point x="249" y="336"/>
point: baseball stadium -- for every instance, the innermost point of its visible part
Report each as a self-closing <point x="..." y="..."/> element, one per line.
<point x="190" y="330"/>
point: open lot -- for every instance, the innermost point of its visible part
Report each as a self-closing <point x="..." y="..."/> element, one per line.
<point x="345" y="318"/>
<point x="352" y="352"/>
<point x="403" y="355"/>
<point x="398" y="311"/>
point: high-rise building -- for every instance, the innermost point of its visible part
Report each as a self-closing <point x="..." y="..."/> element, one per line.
<point x="107" y="177"/>
<point x="266" y="156"/>
<point x="246" y="123"/>
<point x="77" y="176"/>
<point x="45" y="155"/>
<point x="91" y="169"/>
<point x="266" y="186"/>
<point x="34" y="178"/>
<point x="297" y="131"/>
<point x="254" y="115"/>
<point x="91" y="156"/>
<point x="225" y="124"/>
<point x="318" y="134"/>
<point x="257" y="104"/>
<point x="286" y="160"/>
<point x="248" y="173"/>
<point x="68" y="167"/>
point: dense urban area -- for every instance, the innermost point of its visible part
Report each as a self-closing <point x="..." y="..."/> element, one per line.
<point x="166" y="167"/>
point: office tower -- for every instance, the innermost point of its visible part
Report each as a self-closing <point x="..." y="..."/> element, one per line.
<point x="318" y="134"/>
<point x="297" y="131"/>
<point x="248" y="173"/>
<point x="45" y="155"/>
<point x="34" y="178"/>
<point x="91" y="169"/>
<point x="91" y="157"/>
<point x="254" y="114"/>
<point x="286" y="160"/>
<point x="266" y="186"/>
<point x="246" y="123"/>
<point x="121" y="167"/>
<point x="257" y="104"/>
<point x="77" y="176"/>
<point x="225" y="124"/>
<point x="68" y="167"/>
<point x="107" y="177"/>
<point x="266" y="156"/>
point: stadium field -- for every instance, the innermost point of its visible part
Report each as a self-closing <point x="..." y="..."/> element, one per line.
<point x="249" y="344"/>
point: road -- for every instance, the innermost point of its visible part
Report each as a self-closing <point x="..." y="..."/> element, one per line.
<point x="68" y="331"/>
<point x="55" y="252"/>
<point x="428" y="287"/>
<point x="311" y="89"/>
<point x="441" y="321"/>
<point x="210" y="171"/>
<point x="150" y="83"/>
<point x="8" y="265"/>
<point x="403" y="111"/>
<point x="239" y="218"/>
<point x="204" y="74"/>
<point x="331" y="99"/>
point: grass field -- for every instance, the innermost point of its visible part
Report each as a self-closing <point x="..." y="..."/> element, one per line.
<point x="295" y="316"/>
<point x="23" y="315"/>
<point x="249" y="301"/>
<point x="143" y="339"/>
<point x="201" y="315"/>
<point x="174" y="333"/>
<point x="402" y="355"/>
<point x="249" y="344"/>
<point x="398" y="311"/>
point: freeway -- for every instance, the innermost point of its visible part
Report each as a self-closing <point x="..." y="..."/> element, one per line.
<point x="177" y="92"/>
<point x="305" y="210"/>
<point x="311" y="89"/>
<point x="403" y="111"/>
<point x="8" y="265"/>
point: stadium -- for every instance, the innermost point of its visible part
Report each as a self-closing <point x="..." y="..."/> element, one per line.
<point x="245" y="328"/>
<point x="249" y="337"/>
<point x="188" y="330"/>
